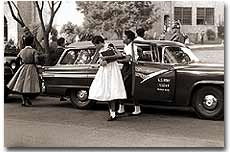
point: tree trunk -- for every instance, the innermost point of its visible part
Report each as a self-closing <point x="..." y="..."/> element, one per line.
<point x="119" y="34"/>
<point x="46" y="43"/>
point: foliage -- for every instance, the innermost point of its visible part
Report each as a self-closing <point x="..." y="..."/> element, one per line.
<point x="211" y="34"/>
<point x="221" y="31"/>
<point x="69" y="25"/>
<point x="117" y="15"/>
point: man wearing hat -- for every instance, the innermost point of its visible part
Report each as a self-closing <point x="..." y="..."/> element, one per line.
<point x="177" y="36"/>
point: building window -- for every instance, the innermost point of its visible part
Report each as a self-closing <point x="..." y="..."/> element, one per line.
<point x="184" y="14"/>
<point x="205" y="16"/>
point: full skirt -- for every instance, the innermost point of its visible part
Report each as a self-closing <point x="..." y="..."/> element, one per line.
<point x="25" y="80"/>
<point x="108" y="84"/>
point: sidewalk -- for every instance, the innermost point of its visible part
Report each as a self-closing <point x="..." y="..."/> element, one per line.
<point x="205" y="46"/>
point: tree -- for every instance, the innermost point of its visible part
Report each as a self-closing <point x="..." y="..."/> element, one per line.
<point x="53" y="6"/>
<point x="69" y="31"/>
<point x="118" y="15"/>
<point x="221" y="31"/>
<point x="18" y="18"/>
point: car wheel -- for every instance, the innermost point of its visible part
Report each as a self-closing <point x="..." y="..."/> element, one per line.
<point x="79" y="99"/>
<point x="6" y="93"/>
<point x="208" y="103"/>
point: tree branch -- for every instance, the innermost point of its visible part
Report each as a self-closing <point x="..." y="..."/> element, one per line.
<point x="20" y="21"/>
<point x="57" y="7"/>
<point x="42" y="5"/>
<point x="53" y="13"/>
<point x="49" y="5"/>
<point x="19" y="15"/>
<point x="40" y="14"/>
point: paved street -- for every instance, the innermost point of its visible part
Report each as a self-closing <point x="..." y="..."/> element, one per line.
<point x="51" y="123"/>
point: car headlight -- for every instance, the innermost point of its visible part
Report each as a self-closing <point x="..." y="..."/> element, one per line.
<point x="13" y="65"/>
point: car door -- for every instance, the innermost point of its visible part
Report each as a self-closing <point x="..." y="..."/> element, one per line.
<point x="70" y="72"/>
<point x="154" y="80"/>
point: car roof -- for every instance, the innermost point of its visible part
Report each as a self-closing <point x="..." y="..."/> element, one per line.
<point x="162" y="43"/>
<point x="120" y="44"/>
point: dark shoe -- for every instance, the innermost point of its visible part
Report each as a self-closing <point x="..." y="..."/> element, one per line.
<point x="24" y="105"/>
<point x="23" y="102"/>
<point x="29" y="102"/>
<point x="111" y="118"/>
<point x="63" y="99"/>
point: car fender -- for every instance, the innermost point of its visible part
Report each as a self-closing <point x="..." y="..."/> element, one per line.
<point x="204" y="83"/>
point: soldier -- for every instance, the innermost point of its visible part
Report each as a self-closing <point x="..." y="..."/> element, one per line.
<point x="177" y="36"/>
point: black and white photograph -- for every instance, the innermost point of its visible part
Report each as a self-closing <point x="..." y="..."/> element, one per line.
<point x="114" y="74"/>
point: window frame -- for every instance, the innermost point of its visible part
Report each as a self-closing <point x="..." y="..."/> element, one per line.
<point x="208" y="16"/>
<point x="153" y="52"/>
<point x="180" y="13"/>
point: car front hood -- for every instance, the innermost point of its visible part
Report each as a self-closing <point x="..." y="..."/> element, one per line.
<point x="8" y="59"/>
<point x="205" y="67"/>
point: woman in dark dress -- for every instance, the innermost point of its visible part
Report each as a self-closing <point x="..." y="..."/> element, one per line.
<point x="26" y="79"/>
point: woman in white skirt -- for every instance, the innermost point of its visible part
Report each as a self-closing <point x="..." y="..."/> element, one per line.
<point x="108" y="84"/>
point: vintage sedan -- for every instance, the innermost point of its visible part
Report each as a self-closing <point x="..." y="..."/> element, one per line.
<point x="8" y="74"/>
<point x="10" y="67"/>
<point x="166" y="74"/>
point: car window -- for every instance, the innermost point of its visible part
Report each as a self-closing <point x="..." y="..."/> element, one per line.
<point x="84" y="56"/>
<point x="156" y="54"/>
<point x="176" y="55"/>
<point x="70" y="57"/>
<point x="144" y="53"/>
<point x="149" y="53"/>
<point x="78" y="56"/>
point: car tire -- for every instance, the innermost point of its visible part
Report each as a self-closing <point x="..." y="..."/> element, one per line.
<point x="208" y="103"/>
<point x="79" y="99"/>
<point x="6" y="93"/>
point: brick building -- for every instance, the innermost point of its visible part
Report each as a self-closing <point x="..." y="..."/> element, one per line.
<point x="195" y="17"/>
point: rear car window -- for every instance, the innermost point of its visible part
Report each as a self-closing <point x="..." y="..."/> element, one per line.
<point x="78" y="56"/>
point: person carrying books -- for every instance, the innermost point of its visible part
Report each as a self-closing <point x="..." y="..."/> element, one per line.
<point x="108" y="83"/>
<point x="128" y="59"/>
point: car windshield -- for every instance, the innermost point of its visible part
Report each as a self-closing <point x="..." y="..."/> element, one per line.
<point x="180" y="55"/>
